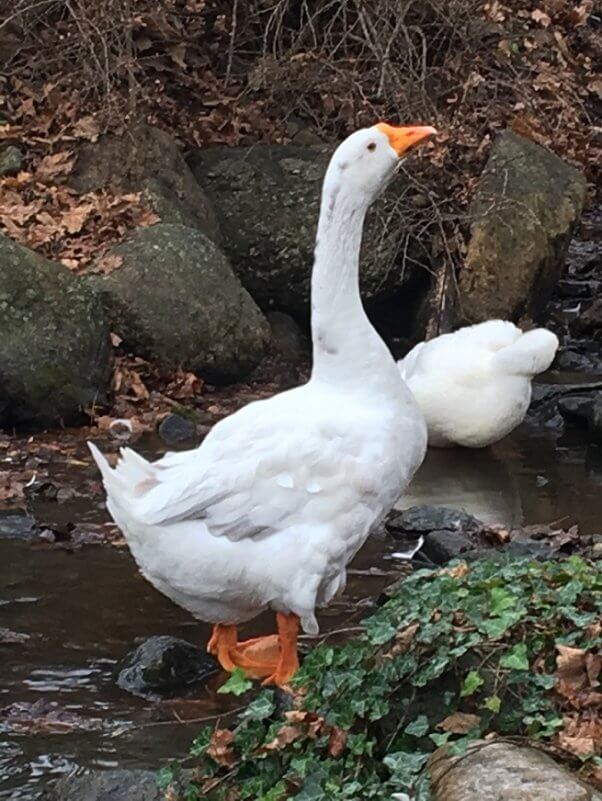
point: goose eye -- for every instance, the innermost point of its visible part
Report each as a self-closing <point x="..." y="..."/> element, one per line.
<point x="371" y="146"/>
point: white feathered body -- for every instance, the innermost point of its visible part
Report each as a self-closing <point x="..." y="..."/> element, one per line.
<point x="474" y="385"/>
<point x="273" y="505"/>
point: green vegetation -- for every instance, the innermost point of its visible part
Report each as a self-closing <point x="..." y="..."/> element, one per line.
<point x="496" y="646"/>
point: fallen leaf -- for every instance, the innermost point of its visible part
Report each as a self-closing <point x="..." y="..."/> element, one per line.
<point x="45" y="717"/>
<point x="53" y="165"/>
<point x="75" y="218"/>
<point x="336" y="742"/>
<point x="541" y="17"/>
<point x="107" y="263"/>
<point x="87" y="128"/>
<point x="581" y="747"/>
<point x="459" y="722"/>
<point x="220" y="748"/>
<point x="286" y="735"/>
<point x="457" y="572"/>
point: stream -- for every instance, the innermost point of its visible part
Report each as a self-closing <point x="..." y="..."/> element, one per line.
<point x="84" y="609"/>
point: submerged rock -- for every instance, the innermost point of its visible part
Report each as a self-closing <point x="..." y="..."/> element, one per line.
<point x="108" y="785"/>
<point x="492" y="771"/>
<point x="525" y="210"/>
<point x="267" y="200"/>
<point x="443" y="546"/>
<point x="176" y="301"/>
<point x="16" y="526"/>
<point x="175" y="429"/>
<point x="164" y="666"/>
<point x="590" y="320"/>
<point x="146" y="160"/>
<point x="424" y="519"/>
<point x="54" y="340"/>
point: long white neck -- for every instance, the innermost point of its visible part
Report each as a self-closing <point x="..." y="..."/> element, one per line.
<point x="346" y="348"/>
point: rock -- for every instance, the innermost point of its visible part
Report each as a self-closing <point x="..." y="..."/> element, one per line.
<point x="164" y="666"/>
<point x="174" y="429"/>
<point x="443" y="546"/>
<point x="175" y="300"/>
<point x="146" y="160"/>
<point x="14" y="525"/>
<point x="491" y="771"/>
<point x="107" y="785"/>
<point x="525" y="210"/>
<point x="287" y="338"/>
<point x="574" y="360"/>
<point x="11" y="160"/>
<point x="529" y="548"/>
<point x="595" y="419"/>
<point x="576" y="408"/>
<point x="570" y="289"/>
<point x="425" y="519"/>
<point x="267" y="201"/>
<point x="590" y="320"/>
<point x="54" y="340"/>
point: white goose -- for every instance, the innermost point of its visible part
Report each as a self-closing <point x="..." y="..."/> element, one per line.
<point x="474" y="385"/>
<point x="279" y="497"/>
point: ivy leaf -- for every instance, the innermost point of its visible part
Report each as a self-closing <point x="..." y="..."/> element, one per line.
<point x="379" y="630"/>
<point x="516" y="658"/>
<point x="472" y="682"/>
<point x="260" y="708"/>
<point x="404" y="765"/>
<point x="418" y="727"/>
<point x="493" y="704"/>
<point x="500" y="599"/>
<point x="237" y="684"/>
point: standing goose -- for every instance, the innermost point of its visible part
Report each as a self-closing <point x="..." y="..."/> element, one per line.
<point x="279" y="497"/>
<point x="474" y="386"/>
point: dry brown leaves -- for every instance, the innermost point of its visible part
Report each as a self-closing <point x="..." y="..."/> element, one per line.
<point x="459" y="723"/>
<point x="40" y="211"/>
<point x="578" y="684"/>
<point x="44" y="717"/>
<point x="220" y="748"/>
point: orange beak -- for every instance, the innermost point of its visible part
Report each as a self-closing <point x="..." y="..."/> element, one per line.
<point x="401" y="139"/>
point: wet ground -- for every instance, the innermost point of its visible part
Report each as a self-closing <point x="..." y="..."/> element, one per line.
<point x="83" y="609"/>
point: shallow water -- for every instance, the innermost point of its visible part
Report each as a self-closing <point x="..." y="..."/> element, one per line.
<point x="84" y="609"/>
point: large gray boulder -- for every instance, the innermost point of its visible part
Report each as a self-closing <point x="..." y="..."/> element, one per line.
<point x="524" y="212"/>
<point x="54" y="340"/>
<point x="176" y="301"/>
<point x="146" y="160"/>
<point x="267" y="200"/>
<point x="491" y="771"/>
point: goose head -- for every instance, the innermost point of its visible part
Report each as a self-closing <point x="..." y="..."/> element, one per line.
<point x="368" y="159"/>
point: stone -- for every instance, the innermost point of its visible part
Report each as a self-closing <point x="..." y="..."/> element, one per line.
<point x="54" y="340"/>
<point x="595" y="419"/>
<point x="443" y="546"/>
<point x="146" y="160"/>
<point x="425" y="519"/>
<point x="175" y="429"/>
<point x="176" y="301"/>
<point x="287" y="337"/>
<point x="107" y="785"/>
<point x="11" y="160"/>
<point x="14" y="525"/>
<point x="164" y="666"/>
<point x="576" y="408"/>
<point x="267" y="201"/>
<point x="524" y="213"/>
<point x="590" y="320"/>
<point x="578" y="361"/>
<point x="492" y="771"/>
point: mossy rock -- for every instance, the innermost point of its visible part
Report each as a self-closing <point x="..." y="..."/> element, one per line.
<point x="176" y="301"/>
<point x="267" y="200"/>
<point x="524" y="213"/>
<point x="54" y="343"/>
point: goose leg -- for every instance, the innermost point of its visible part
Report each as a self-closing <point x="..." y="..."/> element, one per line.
<point x="223" y="641"/>
<point x="288" y="663"/>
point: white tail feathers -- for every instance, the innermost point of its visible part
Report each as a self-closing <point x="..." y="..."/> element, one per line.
<point x="532" y="353"/>
<point x="132" y="474"/>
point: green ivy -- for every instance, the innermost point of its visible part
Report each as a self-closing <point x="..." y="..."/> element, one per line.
<point x="478" y="640"/>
